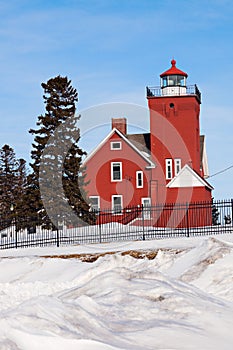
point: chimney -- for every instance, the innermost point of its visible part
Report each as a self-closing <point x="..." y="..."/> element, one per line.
<point x="120" y="124"/>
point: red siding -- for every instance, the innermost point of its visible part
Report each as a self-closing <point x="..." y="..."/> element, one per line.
<point x="175" y="131"/>
<point x="98" y="170"/>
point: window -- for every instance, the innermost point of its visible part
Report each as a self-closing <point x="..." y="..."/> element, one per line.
<point x="177" y="165"/>
<point x="164" y="81"/>
<point x="139" y="179"/>
<point x="116" y="171"/>
<point x="115" y="145"/>
<point x="117" y="204"/>
<point x="168" y="169"/>
<point x="146" y="203"/>
<point x="95" y="203"/>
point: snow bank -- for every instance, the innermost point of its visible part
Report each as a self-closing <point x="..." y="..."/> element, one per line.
<point x="180" y="299"/>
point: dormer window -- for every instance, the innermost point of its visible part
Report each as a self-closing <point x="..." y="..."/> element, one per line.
<point x="115" y="145"/>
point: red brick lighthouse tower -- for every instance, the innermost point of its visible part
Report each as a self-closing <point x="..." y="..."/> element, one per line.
<point x="176" y="144"/>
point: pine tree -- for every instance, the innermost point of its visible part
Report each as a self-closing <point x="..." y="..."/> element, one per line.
<point x="56" y="157"/>
<point x="21" y="200"/>
<point x="12" y="184"/>
<point x="7" y="180"/>
<point x="215" y="213"/>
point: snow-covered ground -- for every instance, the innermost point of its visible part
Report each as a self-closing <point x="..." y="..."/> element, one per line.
<point x="167" y="294"/>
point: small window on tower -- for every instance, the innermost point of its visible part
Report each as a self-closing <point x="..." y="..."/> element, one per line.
<point x="180" y="80"/>
<point x="168" y="164"/>
<point x="171" y="105"/>
<point x="177" y="165"/>
<point x="172" y="80"/>
<point x="139" y="179"/>
<point x="164" y="82"/>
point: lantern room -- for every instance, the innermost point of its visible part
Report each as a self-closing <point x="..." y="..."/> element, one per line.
<point x="173" y="81"/>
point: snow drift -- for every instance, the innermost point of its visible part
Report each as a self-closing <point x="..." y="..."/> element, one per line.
<point x="178" y="298"/>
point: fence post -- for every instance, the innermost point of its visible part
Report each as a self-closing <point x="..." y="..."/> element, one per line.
<point x="16" y="232"/>
<point x="100" y="233"/>
<point x="57" y="236"/>
<point x="187" y="218"/>
<point x="16" y="237"/>
<point x="232" y="212"/>
<point x="143" y="226"/>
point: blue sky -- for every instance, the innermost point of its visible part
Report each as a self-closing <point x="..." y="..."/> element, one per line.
<point x="111" y="50"/>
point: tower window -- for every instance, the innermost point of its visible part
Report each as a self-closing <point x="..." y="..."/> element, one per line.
<point x="177" y="162"/>
<point x="139" y="179"/>
<point x="168" y="165"/>
<point x="164" y="82"/>
<point x="171" y="105"/>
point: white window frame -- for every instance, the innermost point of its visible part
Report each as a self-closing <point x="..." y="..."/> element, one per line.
<point x="113" y="209"/>
<point x="139" y="178"/>
<point x="177" y="165"/>
<point x="112" y="172"/>
<point x="146" y="208"/>
<point x="112" y="145"/>
<point x="91" y="207"/>
<point x="168" y="165"/>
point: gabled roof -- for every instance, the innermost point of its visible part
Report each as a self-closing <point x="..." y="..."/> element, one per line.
<point x="187" y="177"/>
<point x="131" y="144"/>
<point x="141" y="141"/>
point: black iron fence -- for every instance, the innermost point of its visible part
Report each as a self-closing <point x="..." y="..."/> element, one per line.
<point x="135" y="223"/>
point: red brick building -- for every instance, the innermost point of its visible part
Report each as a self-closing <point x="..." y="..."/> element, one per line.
<point x="166" y="165"/>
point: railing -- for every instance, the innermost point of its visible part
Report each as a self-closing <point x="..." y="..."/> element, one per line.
<point x="135" y="223"/>
<point x="157" y="91"/>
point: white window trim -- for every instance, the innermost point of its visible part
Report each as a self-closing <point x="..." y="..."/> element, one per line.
<point x="137" y="179"/>
<point x="112" y="164"/>
<point x="177" y="164"/>
<point x="146" y="212"/>
<point x="98" y="197"/>
<point x="115" y="149"/>
<point x="168" y="163"/>
<point x="142" y="200"/>
<point x="121" y="197"/>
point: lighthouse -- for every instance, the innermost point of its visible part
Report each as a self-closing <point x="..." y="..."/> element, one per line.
<point x="179" y="105"/>
<point x="176" y="144"/>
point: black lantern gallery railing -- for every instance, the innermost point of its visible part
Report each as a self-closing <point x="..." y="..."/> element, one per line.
<point x="157" y="91"/>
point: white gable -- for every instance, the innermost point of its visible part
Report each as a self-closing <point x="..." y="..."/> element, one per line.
<point x="187" y="177"/>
